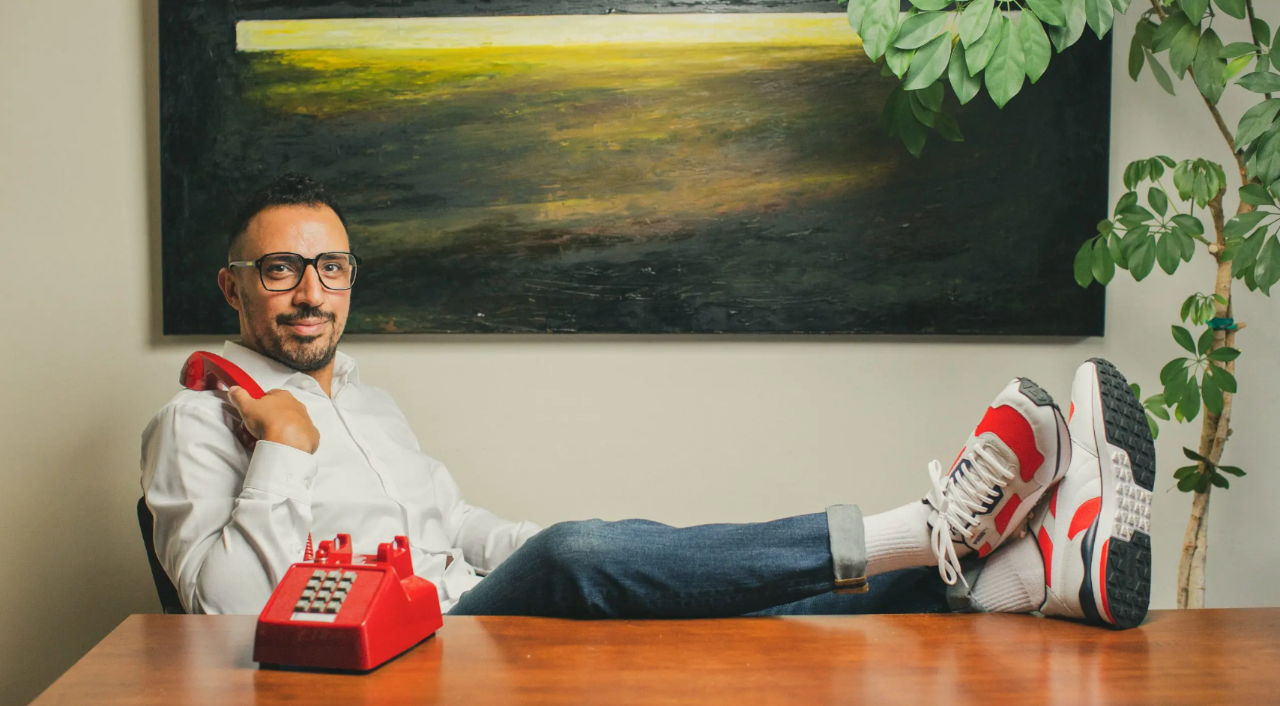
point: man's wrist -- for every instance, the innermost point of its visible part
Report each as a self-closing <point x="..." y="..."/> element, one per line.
<point x="290" y="435"/>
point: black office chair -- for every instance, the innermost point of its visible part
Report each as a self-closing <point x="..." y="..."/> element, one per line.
<point x="169" y="600"/>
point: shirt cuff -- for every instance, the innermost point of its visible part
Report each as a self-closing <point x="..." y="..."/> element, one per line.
<point x="282" y="470"/>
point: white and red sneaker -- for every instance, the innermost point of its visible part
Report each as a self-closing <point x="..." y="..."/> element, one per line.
<point x="1094" y="529"/>
<point x="1018" y="451"/>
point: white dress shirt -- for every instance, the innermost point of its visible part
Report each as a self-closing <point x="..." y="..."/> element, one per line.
<point x="228" y="523"/>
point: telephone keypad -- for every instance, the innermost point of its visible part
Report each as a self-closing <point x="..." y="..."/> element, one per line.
<point x="325" y="592"/>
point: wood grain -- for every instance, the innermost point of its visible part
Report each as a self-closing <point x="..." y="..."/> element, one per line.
<point x="1202" y="657"/>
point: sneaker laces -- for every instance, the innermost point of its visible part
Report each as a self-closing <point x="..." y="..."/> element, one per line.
<point x="957" y="504"/>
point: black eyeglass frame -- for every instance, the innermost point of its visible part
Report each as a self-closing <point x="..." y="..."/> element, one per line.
<point x="313" y="262"/>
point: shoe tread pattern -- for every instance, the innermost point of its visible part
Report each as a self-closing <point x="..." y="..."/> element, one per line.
<point x="1035" y="393"/>
<point x="1128" y="563"/>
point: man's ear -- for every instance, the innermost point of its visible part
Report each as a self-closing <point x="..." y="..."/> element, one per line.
<point x="230" y="287"/>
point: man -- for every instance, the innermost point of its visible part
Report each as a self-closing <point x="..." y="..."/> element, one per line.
<point x="1053" y="513"/>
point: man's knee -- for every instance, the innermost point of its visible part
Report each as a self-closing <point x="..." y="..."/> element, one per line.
<point x="575" y="548"/>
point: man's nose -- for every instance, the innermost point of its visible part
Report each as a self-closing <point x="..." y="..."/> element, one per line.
<point x="309" y="292"/>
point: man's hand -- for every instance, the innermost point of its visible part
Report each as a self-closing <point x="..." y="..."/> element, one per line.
<point x="278" y="417"/>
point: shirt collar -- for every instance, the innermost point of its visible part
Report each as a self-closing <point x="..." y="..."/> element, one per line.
<point x="272" y="374"/>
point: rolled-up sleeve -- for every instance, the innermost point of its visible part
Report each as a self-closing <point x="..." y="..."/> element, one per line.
<point x="228" y="523"/>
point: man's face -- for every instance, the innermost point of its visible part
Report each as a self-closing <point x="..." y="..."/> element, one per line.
<point x="300" y="327"/>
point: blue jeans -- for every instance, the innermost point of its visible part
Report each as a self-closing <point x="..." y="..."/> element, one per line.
<point x="643" y="569"/>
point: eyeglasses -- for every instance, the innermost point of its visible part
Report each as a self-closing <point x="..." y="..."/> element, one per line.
<point x="282" y="271"/>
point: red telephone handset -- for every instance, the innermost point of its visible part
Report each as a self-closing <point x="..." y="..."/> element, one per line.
<point x="206" y="371"/>
<point x="335" y="611"/>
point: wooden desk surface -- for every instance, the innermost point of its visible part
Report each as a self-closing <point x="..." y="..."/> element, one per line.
<point x="1201" y="657"/>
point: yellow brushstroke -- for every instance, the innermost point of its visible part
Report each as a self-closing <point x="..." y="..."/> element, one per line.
<point x="808" y="28"/>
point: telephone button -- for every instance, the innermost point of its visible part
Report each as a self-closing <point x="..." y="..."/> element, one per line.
<point x="308" y="594"/>
<point x="332" y="607"/>
<point x="335" y="575"/>
<point x="302" y="606"/>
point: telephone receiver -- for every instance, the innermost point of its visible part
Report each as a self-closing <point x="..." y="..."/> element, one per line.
<point x="206" y="371"/>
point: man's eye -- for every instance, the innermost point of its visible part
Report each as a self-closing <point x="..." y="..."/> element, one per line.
<point x="277" y="270"/>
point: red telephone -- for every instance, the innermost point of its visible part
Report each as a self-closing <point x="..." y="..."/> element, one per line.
<point x="335" y="611"/>
<point x="343" y="613"/>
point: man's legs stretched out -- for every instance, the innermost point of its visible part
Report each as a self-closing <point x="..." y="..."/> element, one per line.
<point x="642" y="569"/>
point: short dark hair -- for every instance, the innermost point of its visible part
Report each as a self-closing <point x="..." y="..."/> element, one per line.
<point x="289" y="189"/>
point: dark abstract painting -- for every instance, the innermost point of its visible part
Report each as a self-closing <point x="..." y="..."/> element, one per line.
<point x="582" y="166"/>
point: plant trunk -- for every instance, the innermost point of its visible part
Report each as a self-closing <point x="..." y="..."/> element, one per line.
<point x="1213" y="436"/>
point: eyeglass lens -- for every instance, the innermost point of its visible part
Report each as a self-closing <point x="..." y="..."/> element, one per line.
<point x="284" y="271"/>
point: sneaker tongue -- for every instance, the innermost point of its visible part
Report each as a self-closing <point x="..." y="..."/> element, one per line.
<point x="996" y="447"/>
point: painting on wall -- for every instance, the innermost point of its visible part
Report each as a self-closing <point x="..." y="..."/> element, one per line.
<point x="585" y="167"/>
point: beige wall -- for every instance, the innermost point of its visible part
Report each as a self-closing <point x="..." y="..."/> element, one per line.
<point x="675" y="429"/>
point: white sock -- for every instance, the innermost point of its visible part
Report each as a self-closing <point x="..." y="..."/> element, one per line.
<point x="898" y="539"/>
<point x="1013" y="579"/>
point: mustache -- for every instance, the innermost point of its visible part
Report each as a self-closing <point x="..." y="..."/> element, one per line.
<point x="310" y="312"/>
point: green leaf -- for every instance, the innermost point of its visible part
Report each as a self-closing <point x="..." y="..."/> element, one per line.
<point x="1235" y="66"/>
<point x="1261" y="31"/>
<point x="930" y="5"/>
<point x="898" y="60"/>
<point x="1143" y="33"/>
<point x="854" y="11"/>
<point x="1005" y="74"/>
<point x="1104" y="267"/>
<point x="1130" y="197"/>
<point x="1256" y="195"/>
<point x="1235" y="49"/>
<point x="1182" y="51"/>
<point x="1189" y="405"/>
<point x="1202" y="482"/>
<point x="923" y="113"/>
<point x="1243" y="223"/>
<point x="1035" y="46"/>
<point x="1084" y="264"/>
<point x="1205" y="342"/>
<point x="1158" y="199"/>
<point x="1064" y="36"/>
<point x="1260" y="82"/>
<point x="1168" y="253"/>
<point x="1142" y="259"/>
<point x="929" y="63"/>
<point x="1212" y="395"/>
<point x="1117" y="252"/>
<point x="1153" y="427"/>
<point x="1235" y="8"/>
<point x="1099" y="14"/>
<point x="947" y="126"/>
<point x="1184" y="339"/>
<point x="1195" y="9"/>
<point x="1224" y="354"/>
<point x="1217" y="479"/>
<point x="1194" y="456"/>
<point x="910" y="129"/>
<point x="964" y="85"/>
<point x="1208" y="68"/>
<point x="1158" y="410"/>
<point x="1173" y="370"/>
<point x="978" y="54"/>
<point x="975" y="21"/>
<point x="1188" y="484"/>
<point x="878" y="24"/>
<point x="1185" y="471"/>
<point x="931" y="97"/>
<point x="1267" y="272"/>
<point x="1223" y="377"/>
<point x="1049" y="11"/>
<point x="919" y="30"/>
<point x="1169" y="28"/>
<point x="1136" y="58"/>
<point x="1186" y="308"/>
<point x="1186" y="246"/>
<point x="1275" y="44"/>
<point x="1246" y="253"/>
<point x="1162" y="76"/>
<point x="1233" y="470"/>
<point x="1188" y="224"/>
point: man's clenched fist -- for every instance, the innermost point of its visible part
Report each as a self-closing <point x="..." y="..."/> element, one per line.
<point x="278" y="417"/>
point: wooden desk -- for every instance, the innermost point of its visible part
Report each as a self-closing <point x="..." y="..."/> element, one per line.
<point x="1200" y="657"/>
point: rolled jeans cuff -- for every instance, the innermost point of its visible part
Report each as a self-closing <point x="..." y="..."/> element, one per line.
<point x="848" y="548"/>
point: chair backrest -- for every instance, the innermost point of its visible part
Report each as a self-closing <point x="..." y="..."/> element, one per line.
<point x="169" y="600"/>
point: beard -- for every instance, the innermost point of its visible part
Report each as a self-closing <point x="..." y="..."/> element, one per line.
<point x="305" y="354"/>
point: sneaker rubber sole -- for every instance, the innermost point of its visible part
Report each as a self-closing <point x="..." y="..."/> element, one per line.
<point x="1121" y="531"/>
